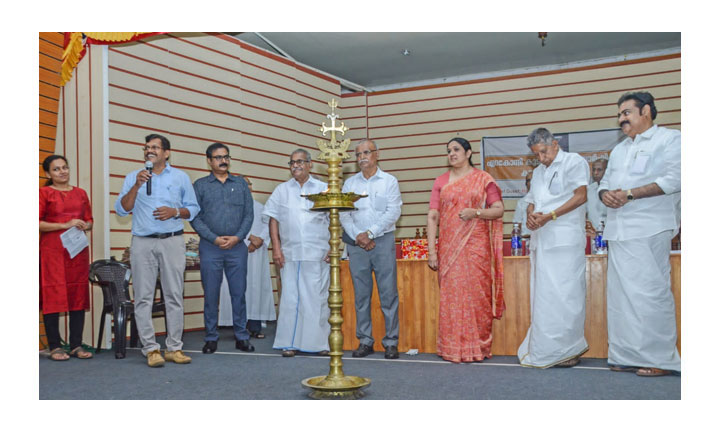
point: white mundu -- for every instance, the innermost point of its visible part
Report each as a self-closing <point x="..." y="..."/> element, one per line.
<point x="305" y="277"/>
<point x="259" y="294"/>
<point x="557" y="266"/>
<point x="640" y="304"/>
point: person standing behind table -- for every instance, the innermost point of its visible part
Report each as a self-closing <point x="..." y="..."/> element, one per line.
<point x="300" y="250"/>
<point x="467" y="203"/>
<point x="520" y="215"/>
<point x="224" y="220"/>
<point x="63" y="280"/>
<point x="158" y="245"/>
<point x="596" y="210"/>
<point x="259" y="293"/>
<point x="641" y="189"/>
<point x="369" y="234"/>
<point x="556" y="216"/>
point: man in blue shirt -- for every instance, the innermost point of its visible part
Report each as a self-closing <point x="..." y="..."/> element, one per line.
<point x="158" y="245"/>
<point x="222" y="224"/>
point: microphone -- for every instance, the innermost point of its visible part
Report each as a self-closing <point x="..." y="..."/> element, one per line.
<point x="149" y="167"/>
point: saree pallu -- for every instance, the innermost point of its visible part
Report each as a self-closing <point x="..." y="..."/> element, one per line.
<point x="470" y="272"/>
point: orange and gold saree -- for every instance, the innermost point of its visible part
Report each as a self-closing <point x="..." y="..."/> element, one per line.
<point x="470" y="272"/>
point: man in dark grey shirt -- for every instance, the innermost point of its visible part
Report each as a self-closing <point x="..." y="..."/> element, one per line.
<point x="224" y="220"/>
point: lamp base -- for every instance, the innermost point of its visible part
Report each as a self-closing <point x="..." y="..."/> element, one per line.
<point x="343" y="388"/>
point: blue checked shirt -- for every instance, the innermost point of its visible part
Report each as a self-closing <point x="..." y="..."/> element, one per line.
<point x="170" y="188"/>
<point x="227" y="208"/>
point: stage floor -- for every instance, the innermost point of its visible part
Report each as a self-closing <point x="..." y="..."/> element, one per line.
<point x="265" y="375"/>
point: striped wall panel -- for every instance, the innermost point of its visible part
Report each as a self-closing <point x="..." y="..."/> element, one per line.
<point x="201" y="88"/>
<point x="205" y="88"/>
<point x="413" y="125"/>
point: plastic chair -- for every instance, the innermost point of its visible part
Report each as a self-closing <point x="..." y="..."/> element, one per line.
<point x="114" y="279"/>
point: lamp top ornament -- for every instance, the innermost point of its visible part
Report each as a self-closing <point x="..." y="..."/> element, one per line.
<point x="333" y="149"/>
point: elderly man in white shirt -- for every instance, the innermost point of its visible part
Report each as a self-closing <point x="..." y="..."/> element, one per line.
<point x="300" y="249"/>
<point x="596" y="210"/>
<point x="556" y="216"/>
<point x="641" y="188"/>
<point x="369" y="235"/>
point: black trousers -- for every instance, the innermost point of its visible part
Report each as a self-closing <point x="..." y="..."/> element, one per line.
<point x="52" y="329"/>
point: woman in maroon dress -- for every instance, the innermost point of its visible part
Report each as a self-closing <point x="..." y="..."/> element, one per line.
<point x="63" y="280"/>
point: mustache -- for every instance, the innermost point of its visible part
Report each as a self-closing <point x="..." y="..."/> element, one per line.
<point x="223" y="165"/>
<point x="625" y="122"/>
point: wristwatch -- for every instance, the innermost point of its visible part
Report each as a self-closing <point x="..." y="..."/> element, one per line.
<point x="477" y="212"/>
<point x="177" y="214"/>
<point x="630" y="196"/>
<point x="370" y="234"/>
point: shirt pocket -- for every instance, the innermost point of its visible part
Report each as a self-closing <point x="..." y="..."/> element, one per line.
<point x="380" y="203"/>
<point x="174" y="195"/>
<point x="556" y="184"/>
<point x="236" y="197"/>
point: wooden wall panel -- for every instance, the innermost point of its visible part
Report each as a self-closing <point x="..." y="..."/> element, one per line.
<point x="412" y="125"/>
<point x="419" y="296"/>
<point x="50" y="58"/>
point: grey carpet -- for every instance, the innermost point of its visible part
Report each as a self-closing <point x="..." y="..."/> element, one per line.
<point x="265" y="374"/>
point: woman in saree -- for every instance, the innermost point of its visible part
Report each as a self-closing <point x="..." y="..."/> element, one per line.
<point x="467" y="205"/>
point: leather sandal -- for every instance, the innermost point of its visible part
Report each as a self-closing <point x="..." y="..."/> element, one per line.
<point x="569" y="362"/>
<point x="79" y="352"/>
<point x="652" y="372"/>
<point x="58" y="354"/>
<point x="620" y="368"/>
<point x="289" y="353"/>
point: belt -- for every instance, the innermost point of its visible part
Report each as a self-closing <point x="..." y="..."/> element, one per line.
<point x="165" y="235"/>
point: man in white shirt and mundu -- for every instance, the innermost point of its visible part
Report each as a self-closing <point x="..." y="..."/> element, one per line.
<point x="300" y="249"/>
<point x="640" y="189"/>
<point x="556" y="217"/>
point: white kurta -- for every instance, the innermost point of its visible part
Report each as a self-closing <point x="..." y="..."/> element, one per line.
<point x="557" y="267"/>
<point x="259" y="298"/>
<point x="641" y="308"/>
<point x="303" y="313"/>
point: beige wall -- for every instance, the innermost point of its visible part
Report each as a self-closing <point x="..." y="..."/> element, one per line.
<point x="200" y="88"/>
<point x="412" y="126"/>
<point x="195" y="89"/>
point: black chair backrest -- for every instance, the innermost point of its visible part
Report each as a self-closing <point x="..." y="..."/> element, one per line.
<point x="114" y="278"/>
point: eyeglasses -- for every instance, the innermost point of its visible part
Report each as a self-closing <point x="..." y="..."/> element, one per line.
<point x="297" y="162"/>
<point x="153" y="148"/>
<point x="221" y="158"/>
<point x="365" y="153"/>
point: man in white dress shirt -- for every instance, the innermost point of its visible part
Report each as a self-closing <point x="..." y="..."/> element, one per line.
<point x="258" y="294"/>
<point x="596" y="210"/>
<point x="520" y="215"/>
<point x="556" y="216"/>
<point x="641" y="188"/>
<point x="369" y="235"/>
<point x="300" y="249"/>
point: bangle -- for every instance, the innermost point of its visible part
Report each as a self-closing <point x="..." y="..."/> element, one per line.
<point x="554" y="215"/>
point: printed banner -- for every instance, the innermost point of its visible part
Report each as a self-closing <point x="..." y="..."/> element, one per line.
<point x="508" y="159"/>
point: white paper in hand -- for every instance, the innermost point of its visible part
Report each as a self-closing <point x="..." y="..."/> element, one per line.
<point x="74" y="240"/>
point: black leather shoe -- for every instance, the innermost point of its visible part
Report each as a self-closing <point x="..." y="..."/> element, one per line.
<point x="391" y="352"/>
<point x="210" y="347"/>
<point x="244" y="345"/>
<point x="363" y="351"/>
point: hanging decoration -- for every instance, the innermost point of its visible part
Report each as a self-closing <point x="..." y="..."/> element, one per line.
<point x="76" y="43"/>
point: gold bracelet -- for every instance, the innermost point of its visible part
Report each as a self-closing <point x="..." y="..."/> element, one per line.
<point x="554" y="215"/>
